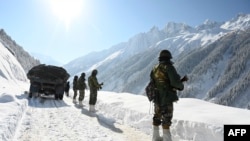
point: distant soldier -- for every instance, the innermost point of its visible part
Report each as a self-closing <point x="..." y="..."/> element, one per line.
<point x="94" y="86"/>
<point x="66" y="89"/>
<point x="81" y="86"/>
<point x="75" y="88"/>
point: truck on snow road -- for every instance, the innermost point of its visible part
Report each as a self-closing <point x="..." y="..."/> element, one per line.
<point x="48" y="80"/>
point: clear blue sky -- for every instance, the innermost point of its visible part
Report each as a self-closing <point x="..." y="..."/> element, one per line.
<point x="67" y="34"/>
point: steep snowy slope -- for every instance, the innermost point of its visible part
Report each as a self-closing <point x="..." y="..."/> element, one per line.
<point x="220" y="72"/>
<point x="23" y="57"/>
<point x="10" y="68"/>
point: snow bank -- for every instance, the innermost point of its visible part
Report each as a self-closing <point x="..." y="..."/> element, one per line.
<point x="12" y="107"/>
<point x="194" y="119"/>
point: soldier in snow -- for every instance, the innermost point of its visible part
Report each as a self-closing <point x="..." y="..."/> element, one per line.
<point x="167" y="82"/>
<point x="94" y="86"/>
<point x="81" y="86"/>
<point x="75" y="88"/>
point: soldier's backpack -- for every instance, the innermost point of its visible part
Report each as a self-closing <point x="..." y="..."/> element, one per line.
<point x="150" y="90"/>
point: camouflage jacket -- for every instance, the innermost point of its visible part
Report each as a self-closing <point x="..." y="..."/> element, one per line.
<point x="93" y="83"/>
<point x="81" y="85"/>
<point x="75" y="84"/>
<point x="167" y="82"/>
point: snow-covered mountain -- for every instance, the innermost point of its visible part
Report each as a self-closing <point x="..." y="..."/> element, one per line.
<point x="220" y="72"/>
<point x="12" y="74"/>
<point x="25" y="59"/>
<point x="10" y="68"/>
<point x="125" y="67"/>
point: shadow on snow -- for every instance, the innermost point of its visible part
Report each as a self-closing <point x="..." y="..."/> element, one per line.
<point x="102" y="120"/>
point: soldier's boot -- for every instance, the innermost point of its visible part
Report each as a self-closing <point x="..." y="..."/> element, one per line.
<point x="166" y="135"/>
<point x="89" y="108"/>
<point x="156" y="134"/>
<point x="92" y="108"/>
<point x="80" y="104"/>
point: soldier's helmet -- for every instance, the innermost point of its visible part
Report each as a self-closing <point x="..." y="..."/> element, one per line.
<point x="94" y="72"/>
<point x="83" y="74"/>
<point x="165" y="54"/>
<point x="75" y="77"/>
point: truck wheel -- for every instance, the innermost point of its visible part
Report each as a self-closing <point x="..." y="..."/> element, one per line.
<point x="56" y="96"/>
<point x="61" y="96"/>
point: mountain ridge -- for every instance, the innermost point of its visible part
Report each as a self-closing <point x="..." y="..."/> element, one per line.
<point x="129" y="70"/>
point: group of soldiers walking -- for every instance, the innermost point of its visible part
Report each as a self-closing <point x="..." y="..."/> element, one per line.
<point x="80" y="85"/>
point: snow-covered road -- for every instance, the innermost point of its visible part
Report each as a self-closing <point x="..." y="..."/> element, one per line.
<point x="47" y="119"/>
<point x="120" y="116"/>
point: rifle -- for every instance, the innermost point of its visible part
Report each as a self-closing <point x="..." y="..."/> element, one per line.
<point x="184" y="78"/>
<point x="101" y="85"/>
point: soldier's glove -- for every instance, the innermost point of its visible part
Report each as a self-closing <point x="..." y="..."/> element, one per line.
<point x="185" y="78"/>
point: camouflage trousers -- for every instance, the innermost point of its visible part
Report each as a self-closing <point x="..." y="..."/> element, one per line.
<point x="82" y="94"/>
<point x="163" y="115"/>
<point x="93" y="96"/>
<point x="75" y="94"/>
